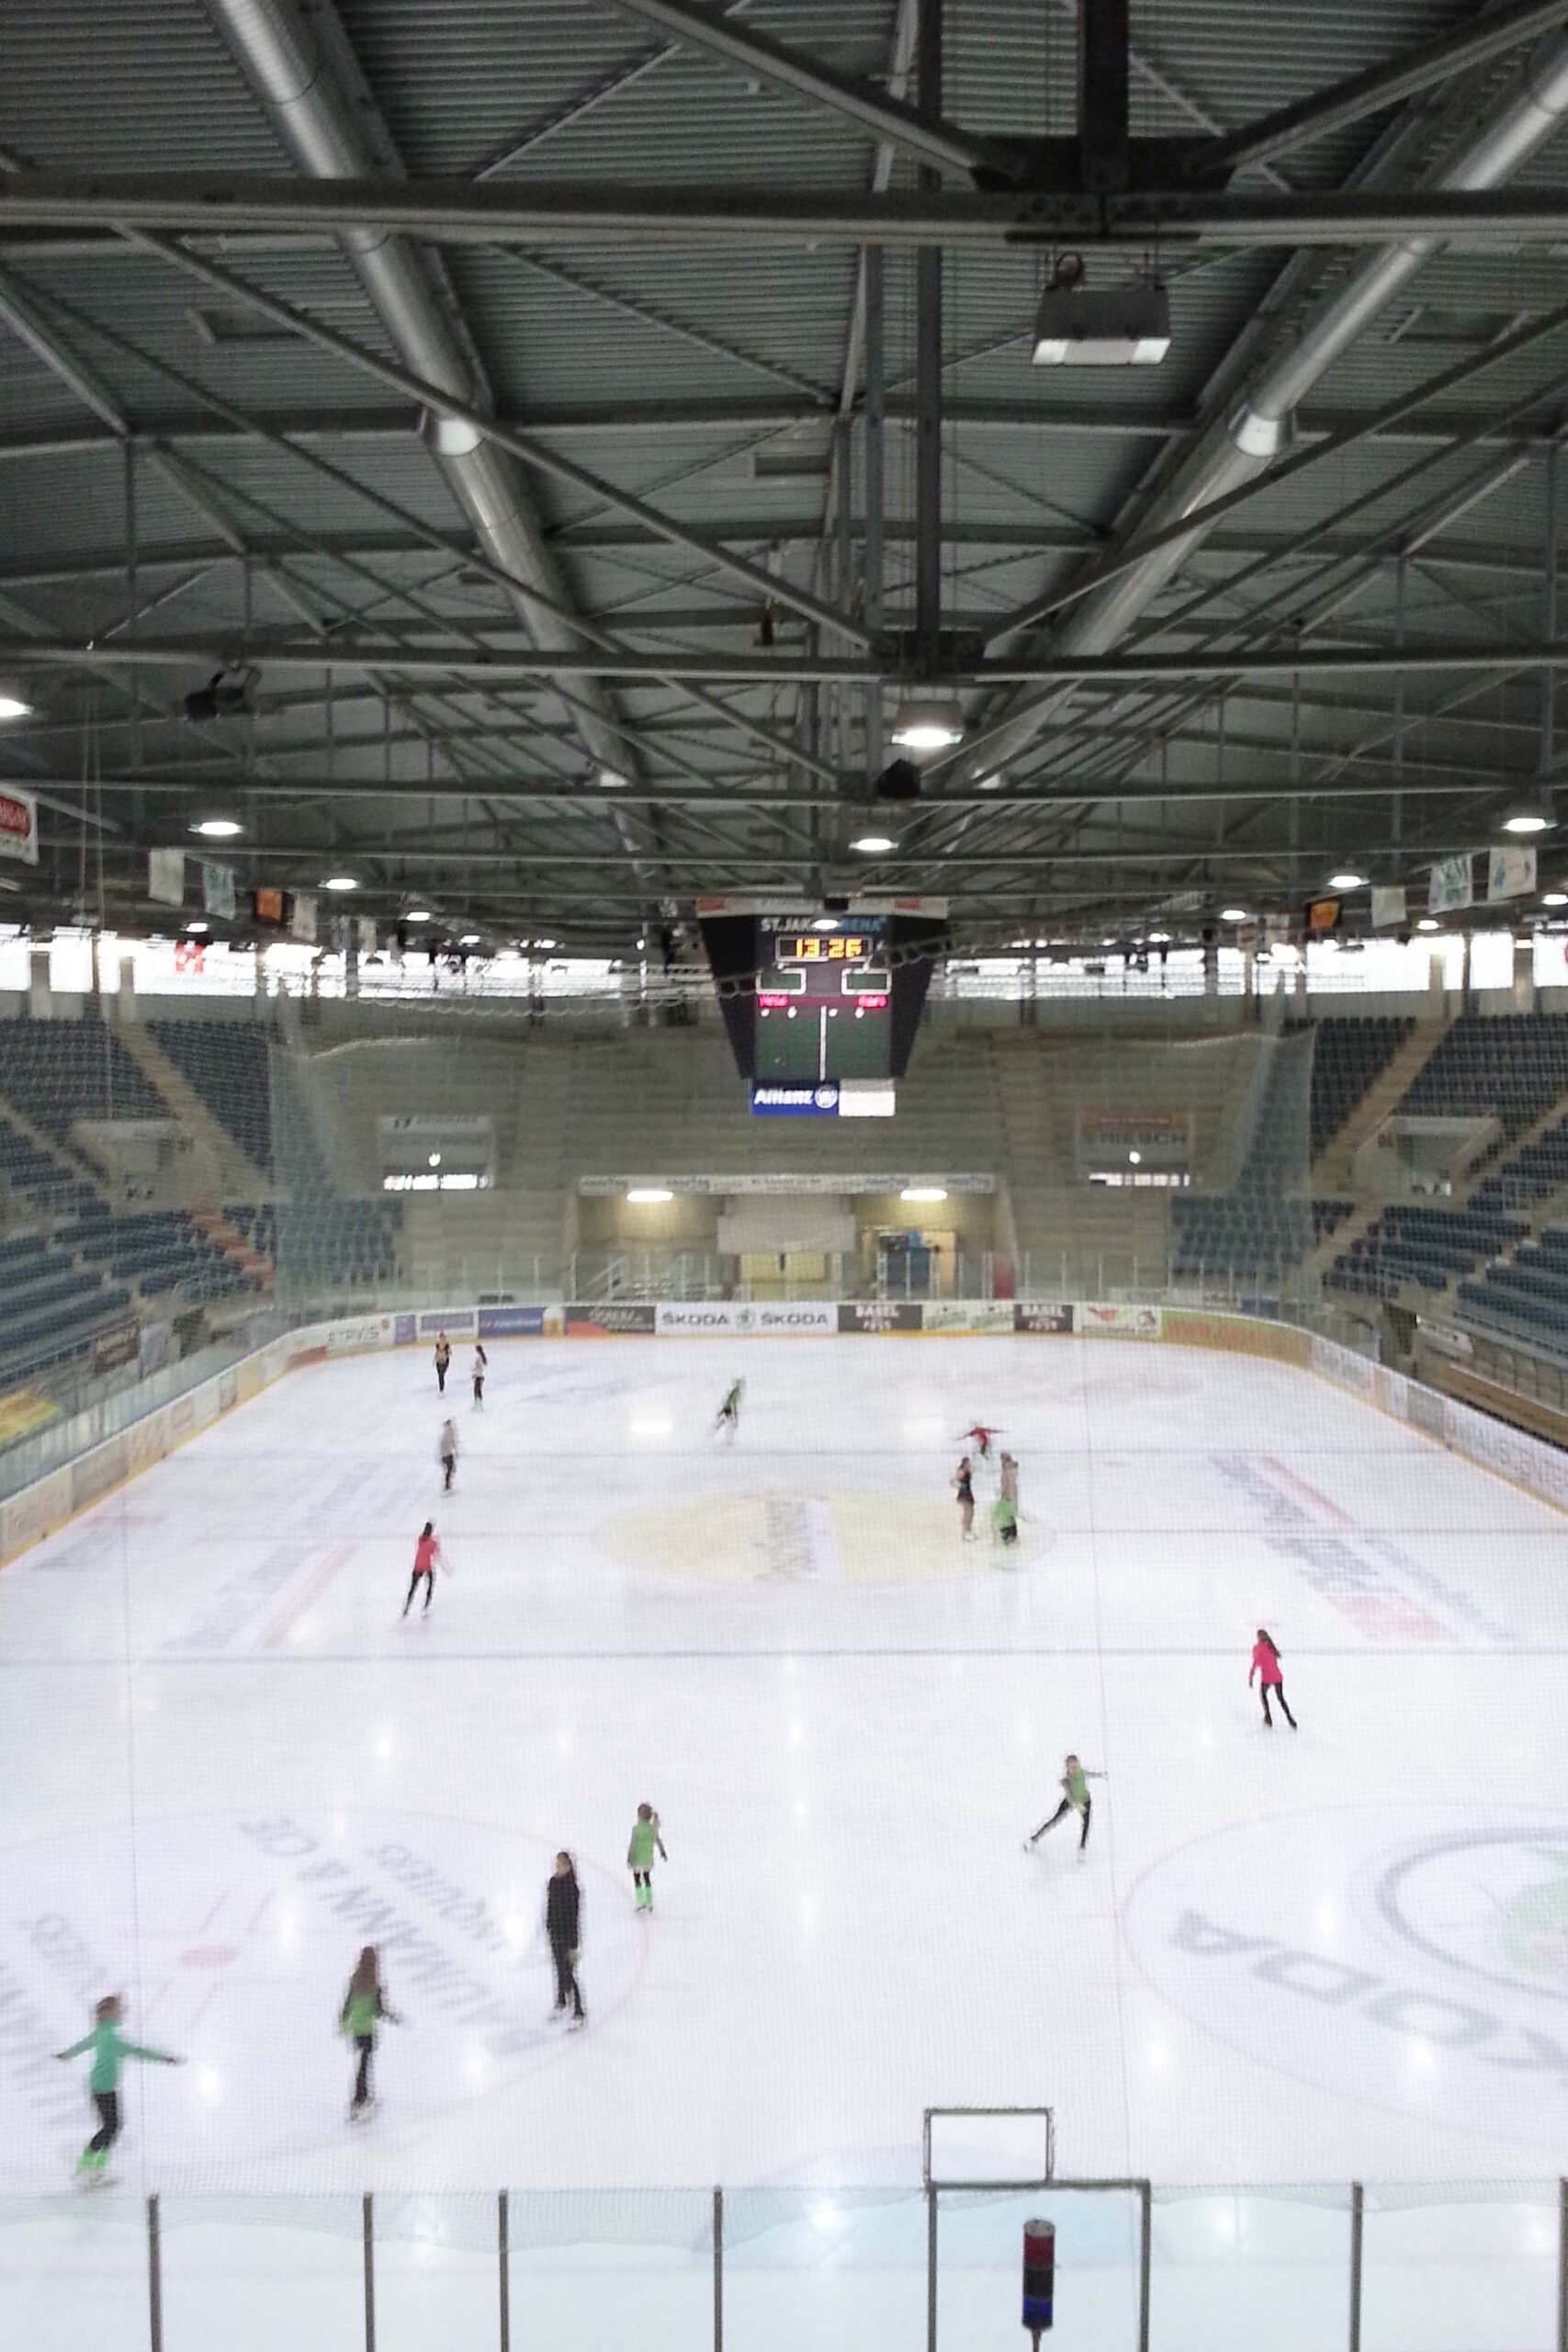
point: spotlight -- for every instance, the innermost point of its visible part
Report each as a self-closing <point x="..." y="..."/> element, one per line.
<point x="1428" y="923"/>
<point x="923" y="1193"/>
<point x="217" y="829"/>
<point x="649" y="1194"/>
<point x="872" y="844"/>
<point x="14" y="704"/>
<point x="341" y="882"/>
<point x="1235" y="914"/>
<point x="1348" y="880"/>
<point x="196" y="928"/>
<point x="1528" y="817"/>
<point x="413" y="914"/>
<point x="1554" y="898"/>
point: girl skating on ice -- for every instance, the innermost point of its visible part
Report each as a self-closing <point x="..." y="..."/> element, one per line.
<point x="1004" y="1519"/>
<point x="481" y="1365"/>
<point x="427" y="1559"/>
<point x="563" y="1926"/>
<point x="729" y="1411"/>
<point x="1074" y="1799"/>
<point x="364" y="2007"/>
<point x="443" y="1360"/>
<point x="110" y="2050"/>
<point x="963" y="1488"/>
<point x="446" y="1454"/>
<point x="1265" y="1665"/>
<point x="646" y="1842"/>
<point x="979" y="1436"/>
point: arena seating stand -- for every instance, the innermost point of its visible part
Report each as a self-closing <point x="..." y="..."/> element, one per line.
<point x="1347" y="1059"/>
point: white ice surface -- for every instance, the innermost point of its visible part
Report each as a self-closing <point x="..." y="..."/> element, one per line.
<point x="1287" y="1958"/>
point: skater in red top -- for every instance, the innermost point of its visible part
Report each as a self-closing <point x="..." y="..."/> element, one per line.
<point x="980" y="1437"/>
<point x="1265" y="1665"/>
<point x="427" y="1556"/>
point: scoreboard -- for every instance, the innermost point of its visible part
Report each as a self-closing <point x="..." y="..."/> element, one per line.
<point x="824" y="999"/>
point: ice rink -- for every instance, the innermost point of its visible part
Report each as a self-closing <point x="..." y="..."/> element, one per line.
<point x="1287" y="1957"/>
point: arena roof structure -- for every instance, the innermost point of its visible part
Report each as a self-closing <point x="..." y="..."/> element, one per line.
<point x="528" y="457"/>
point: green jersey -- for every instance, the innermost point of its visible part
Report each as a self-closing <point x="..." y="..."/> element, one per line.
<point x="645" y="1840"/>
<point x="361" y="2013"/>
<point x="110" y="2050"/>
<point x="1075" y="1783"/>
<point x="1004" y="1513"/>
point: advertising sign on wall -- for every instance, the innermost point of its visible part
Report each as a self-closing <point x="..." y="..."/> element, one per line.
<point x="511" y="1322"/>
<point x="881" y="1315"/>
<point x="608" y="1317"/>
<point x="973" y="1315"/>
<point x="1041" y="1315"/>
<point x="18" y="825"/>
<point x="1118" y="1322"/>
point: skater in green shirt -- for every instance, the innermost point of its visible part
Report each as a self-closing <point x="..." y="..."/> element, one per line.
<point x="1074" y="1799"/>
<point x="110" y="2050"/>
<point x="1004" y="1519"/>
<point x="364" y="2006"/>
<point x="646" y="1842"/>
<point x="729" y="1411"/>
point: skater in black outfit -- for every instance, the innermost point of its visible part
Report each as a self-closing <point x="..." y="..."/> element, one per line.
<point x="443" y="1359"/>
<point x="481" y="1362"/>
<point x="364" y="2007"/>
<point x="563" y="1926"/>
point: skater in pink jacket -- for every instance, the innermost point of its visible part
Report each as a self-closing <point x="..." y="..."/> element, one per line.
<point x="1266" y="1666"/>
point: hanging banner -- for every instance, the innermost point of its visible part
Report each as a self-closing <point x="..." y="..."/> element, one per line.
<point x="1389" y="907"/>
<point x="1510" y="872"/>
<point x="1451" y="886"/>
<point x="365" y="931"/>
<point x="302" y="922"/>
<point x="166" y="876"/>
<point x="18" y="826"/>
<point x="217" y="889"/>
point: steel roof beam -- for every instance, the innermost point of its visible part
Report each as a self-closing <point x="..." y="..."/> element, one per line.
<point x="756" y="55"/>
<point x="1383" y="87"/>
<point x="1157" y="852"/>
<point x="456" y="212"/>
<point x="421" y="659"/>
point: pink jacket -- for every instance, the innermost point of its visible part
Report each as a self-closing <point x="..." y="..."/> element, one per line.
<point x="1266" y="1662"/>
<point x="426" y="1552"/>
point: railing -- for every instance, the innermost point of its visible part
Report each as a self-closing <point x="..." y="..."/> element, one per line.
<point x="1140" y="2267"/>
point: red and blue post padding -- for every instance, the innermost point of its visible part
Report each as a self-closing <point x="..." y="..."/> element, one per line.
<point x="1039" y="2276"/>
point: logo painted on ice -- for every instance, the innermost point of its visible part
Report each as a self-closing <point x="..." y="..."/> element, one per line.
<point x="1415" y="1961"/>
<point x="254" y="1919"/>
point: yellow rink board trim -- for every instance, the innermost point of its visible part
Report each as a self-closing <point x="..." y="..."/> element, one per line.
<point x="22" y="1410"/>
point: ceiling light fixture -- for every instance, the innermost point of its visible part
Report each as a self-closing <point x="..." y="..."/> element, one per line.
<point x="341" y="882"/>
<point x="1235" y="914"/>
<point x="1348" y="880"/>
<point x="196" y="927"/>
<point x="1114" y="326"/>
<point x="414" y="914"/>
<point x="932" y="723"/>
<point x="1428" y="923"/>
<point x="1554" y="898"/>
<point x="612" y="780"/>
<point x="647" y="1195"/>
<point x="923" y="1193"/>
<point x="13" y="704"/>
<point x="1159" y="939"/>
<point x="1528" y="817"/>
<point x="450" y="436"/>
<point x="217" y="829"/>
<point x="872" y="844"/>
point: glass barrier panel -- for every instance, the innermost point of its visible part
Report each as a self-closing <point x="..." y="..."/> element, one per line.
<point x="596" y="2267"/>
<point x="980" y="2267"/>
<point x="1250" y="2268"/>
<point x="840" y="2270"/>
<point x="74" y="2270"/>
<point x="1449" y="2272"/>
<point x="249" y="2273"/>
<point x="438" y="2272"/>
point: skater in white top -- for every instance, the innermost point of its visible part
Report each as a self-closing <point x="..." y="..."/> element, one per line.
<point x="481" y="1365"/>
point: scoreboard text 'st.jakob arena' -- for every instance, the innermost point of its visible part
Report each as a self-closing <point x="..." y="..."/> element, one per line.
<point x="808" y="996"/>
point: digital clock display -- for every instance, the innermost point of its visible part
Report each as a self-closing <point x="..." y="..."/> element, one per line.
<point x="821" y="947"/>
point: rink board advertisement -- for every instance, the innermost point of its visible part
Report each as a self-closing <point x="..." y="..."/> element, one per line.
<point x="103" y="1465"/>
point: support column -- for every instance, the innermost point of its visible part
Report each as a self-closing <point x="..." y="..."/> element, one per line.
<point x="154" y="2275"/>
<point x="1357" y="2226"/>
<point x="719" y="2270"/>
<point x="928" y="362"/>
<point x="874" y="481"/>
<point x="367" y="2264"/>
<point x="1549" y="622"/>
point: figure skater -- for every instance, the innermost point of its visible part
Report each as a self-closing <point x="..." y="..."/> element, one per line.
<point x="364" y="2007"/>
<point x="979" y="1436"/>
<point x="963" y="1484"/>
<point x="645" y="1842"/>
<point x="1265" y="1665"/>
<point x="110" y="2050"/>
<point x="446" y="1454"/>
<point x="729" y="1411"/>
<point x="1074" y="1799"/>
<point x="443" y="1360"/>
<point x="563" y="1926"/>
<point x="481" y="1365"/>
<point x="427" y="1557"/>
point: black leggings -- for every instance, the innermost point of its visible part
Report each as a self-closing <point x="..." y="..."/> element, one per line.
<point x="1279" y="1691"/>
<point x="441" y="1379"/>
<point x="365" y="2046"/>
<point x="1066" y="1806"/>
<point x="448" y="1464"/>
<point x="429" y="1577"/>
<point x="566" y="1992"/>
<point x="108" y="2132"/>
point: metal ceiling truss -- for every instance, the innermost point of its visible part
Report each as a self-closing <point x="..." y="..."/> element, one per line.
<point x="1109" y="699"/>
